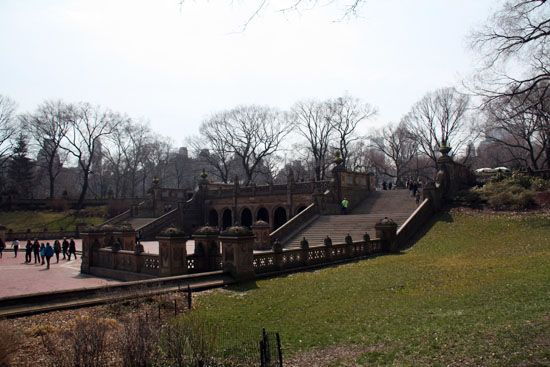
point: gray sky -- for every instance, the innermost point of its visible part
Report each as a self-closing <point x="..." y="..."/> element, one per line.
<point x="174" y="65"/>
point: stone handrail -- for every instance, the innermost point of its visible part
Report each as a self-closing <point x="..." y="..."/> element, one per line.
<point x="158" y="224"/>
<point x="269" y="262"/>
<point x="127" y="214"/>
<point x="415" y="221"/>
<point x="294" y="224"/>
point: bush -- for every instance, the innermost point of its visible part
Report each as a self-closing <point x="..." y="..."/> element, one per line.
<point x="138" y="341"/>
<point x="506" y="196"/>
<point x="9" y="342"/>
<point x="187" y="341"/>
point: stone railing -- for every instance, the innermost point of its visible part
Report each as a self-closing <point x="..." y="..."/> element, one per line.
<point x="296" y="223"/>
<point x="151" y="229"/>
<point x="416" y="220"/>
<point x="127" y="261"/>
<point x="270" y="262"/>
<point x="262" y="190"/>
<point x="125" y="215"/>
<point x="41" y="235"/>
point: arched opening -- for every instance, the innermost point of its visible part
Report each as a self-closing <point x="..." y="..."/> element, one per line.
<point x="226" y="219"/>
<point x="279" y="217"/>
<point x="262" y="214"/>
<point x="213" y="218"/>
<point x="300" y="208"/>
<point x="246" y="217"/>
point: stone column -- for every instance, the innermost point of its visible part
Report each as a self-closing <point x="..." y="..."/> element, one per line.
<point x="127" y="238"/>
<point x="172" y="252"/>
<point x="3" y="233"/>
<point x="238" y="252"/>
<point x="206" y="248"/>
<point x="386" y="230"/>
<point x="261" y="235"/>
<point x="91" y="241"/>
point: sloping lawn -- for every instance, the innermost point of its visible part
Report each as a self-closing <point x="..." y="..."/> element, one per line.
<point x="20" y="221"/>
<point x="475" y="290"/>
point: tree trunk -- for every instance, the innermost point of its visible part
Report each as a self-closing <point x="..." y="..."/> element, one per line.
<point x="82" y="196"/>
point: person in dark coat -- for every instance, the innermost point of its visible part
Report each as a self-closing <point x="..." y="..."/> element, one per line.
<point x="72" y="248"/>
<point x="56" y="249"/>
<point x="36" y="251"/>
<point x="65" y="247"/>
<point x="2" y="247"/>
<point x="28" y="251"/>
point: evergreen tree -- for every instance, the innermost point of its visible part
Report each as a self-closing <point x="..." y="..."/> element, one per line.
<point x="20" y="169"/>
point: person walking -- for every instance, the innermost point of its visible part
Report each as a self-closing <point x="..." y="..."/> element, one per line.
<point x="48" y="252"/>
<point x="72" y="248"/>
<point x="15" y="245"/>
<point x="65" y="247"/>
<point x="390" y="185"/>
<point x="42" y="253"/>
<point x="417" y="197"/>
<point x="28" y="252"/>
<point x="2" y="247"/>
<point x="57" y="250"/>
<point x="36" y="251"/>
<point x="344" y="206"/>
<point x="384" y="187"/>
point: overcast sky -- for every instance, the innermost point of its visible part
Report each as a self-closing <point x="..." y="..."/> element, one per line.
<point x="174" y="65"/>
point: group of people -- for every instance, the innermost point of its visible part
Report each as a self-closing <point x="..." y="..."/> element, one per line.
<point x="43" y="252"/>
<point x="414" y="187"/>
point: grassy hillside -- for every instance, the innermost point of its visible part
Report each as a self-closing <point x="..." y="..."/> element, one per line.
<point x="475" y="290"/>
<point x="20" y="221"/>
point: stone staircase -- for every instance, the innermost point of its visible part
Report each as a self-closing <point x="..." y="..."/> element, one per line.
<point x="137" y="223"/>
<point x="395" y="204"/>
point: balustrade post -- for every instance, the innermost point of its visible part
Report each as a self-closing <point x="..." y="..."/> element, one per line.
<point x="238" y="252"/>
<point x="386" y="230"/>
<point x="91" y="241"/>
<point x="207" y="250"/>
<point x="172" y="252"/>
<point x="278" y="254"/>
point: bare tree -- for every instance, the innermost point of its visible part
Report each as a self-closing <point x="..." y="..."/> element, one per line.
<point x="515" y="49"/>
<point x="48" y="126"/>
<point x="87" y="125"/>
<point x="252" y="133"/>
<point x="398" y="145"/>
<point x="7" y="127"/>
<point x="220" y="151"/>
<point x="521" y="130"/>
<point x="313" y="122"/>
<point x="440" y="119"/>
<point x="345" y="114"/>
<point x="349" y="9"/>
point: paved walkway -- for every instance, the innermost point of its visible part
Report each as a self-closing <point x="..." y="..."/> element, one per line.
<point x="18" y="278"/>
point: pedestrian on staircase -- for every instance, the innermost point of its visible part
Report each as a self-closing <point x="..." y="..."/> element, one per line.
<point x="344" y="206"/>
<point x="417" y="197"/>
<point x="72" y="249"/>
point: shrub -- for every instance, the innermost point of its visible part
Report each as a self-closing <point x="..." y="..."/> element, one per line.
<point x="187" y="341"/>
<point x="84" y="344"/>
<point x="9" y="342"/>
<point x="137" y="341"/>
<point x="503" y="196"/>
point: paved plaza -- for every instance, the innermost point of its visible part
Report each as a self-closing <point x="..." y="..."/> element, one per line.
<point x="19" y="278"/>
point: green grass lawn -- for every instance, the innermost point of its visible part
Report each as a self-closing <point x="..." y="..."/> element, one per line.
<point x="20" y="221"/>
<point x="475" y="290"/>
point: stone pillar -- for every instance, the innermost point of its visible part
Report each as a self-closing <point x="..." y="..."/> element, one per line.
<point x="386" y="230"/>
<point x="172" y="252"/>
<point x="238" y="252"/>
<point x="91" y="241"/>
<point x="207" y="251"/>
<point x="261" y="235"/>
<point x="127" y="238"/>
<point x="278" y="254"/>
<point x="3" y="233"/>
